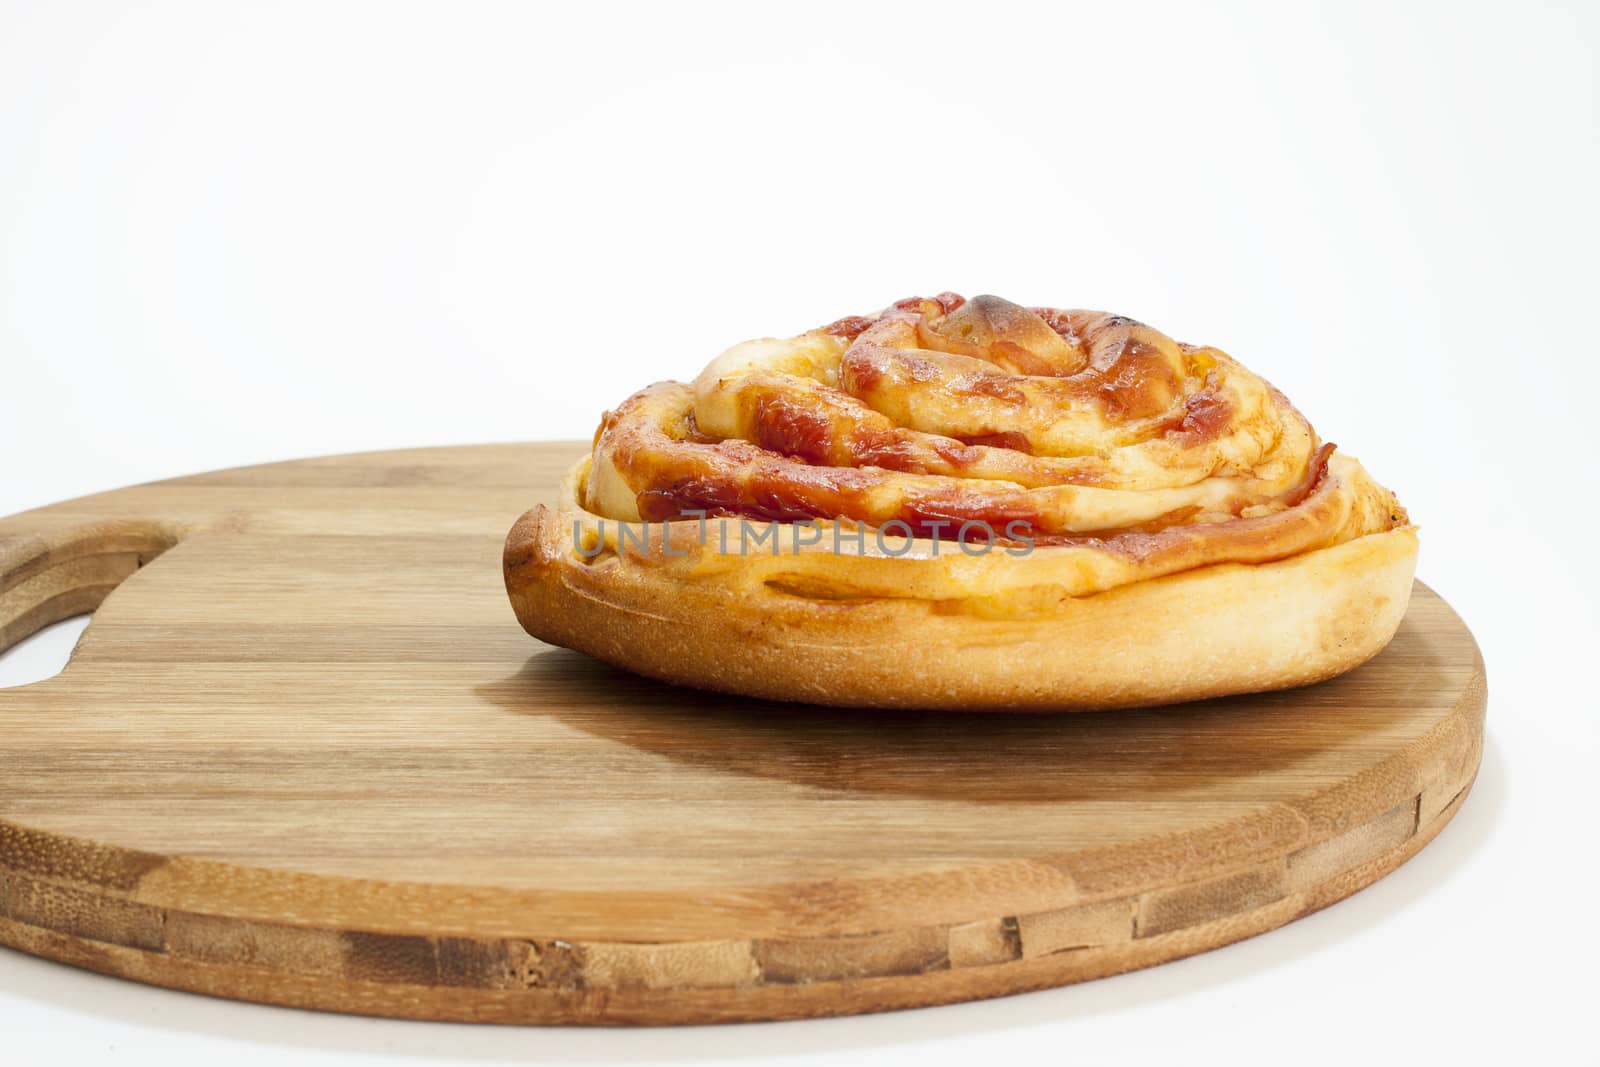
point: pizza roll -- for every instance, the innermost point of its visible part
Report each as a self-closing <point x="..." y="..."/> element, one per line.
<point x="967" y="504"/>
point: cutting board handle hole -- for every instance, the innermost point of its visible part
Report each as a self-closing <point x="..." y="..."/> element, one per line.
<point x="42" y="654"/>
<point x="48" y="578"/>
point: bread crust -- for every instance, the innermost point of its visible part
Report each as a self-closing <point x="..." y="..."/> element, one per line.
<point x="967" y="504"/>
<point x="1202" y="632"/>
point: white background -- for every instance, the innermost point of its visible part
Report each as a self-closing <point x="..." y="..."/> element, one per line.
<point x="232" y="234"/>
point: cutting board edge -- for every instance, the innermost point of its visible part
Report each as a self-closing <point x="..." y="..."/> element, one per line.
<point x="397" y="980"/>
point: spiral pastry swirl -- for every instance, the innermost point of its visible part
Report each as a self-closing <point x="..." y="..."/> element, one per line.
<point x="1152" y="521"/>
<point x="962" y="419"/>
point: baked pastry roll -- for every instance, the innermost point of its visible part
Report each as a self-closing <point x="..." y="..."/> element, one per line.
<point x="967" y="504"/>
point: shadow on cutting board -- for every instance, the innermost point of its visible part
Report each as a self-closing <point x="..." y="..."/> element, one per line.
<point x="984" y="757"/>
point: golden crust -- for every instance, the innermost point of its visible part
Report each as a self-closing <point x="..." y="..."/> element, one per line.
<point x="1183" y="533"/>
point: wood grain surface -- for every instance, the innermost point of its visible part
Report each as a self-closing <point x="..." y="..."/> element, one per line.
<point x="305" y="755"/>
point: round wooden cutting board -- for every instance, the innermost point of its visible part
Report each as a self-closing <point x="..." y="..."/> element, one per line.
<point x="307" y="756"/>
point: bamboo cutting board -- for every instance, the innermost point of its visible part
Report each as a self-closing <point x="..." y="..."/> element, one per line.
<point x="304" y="754"/>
